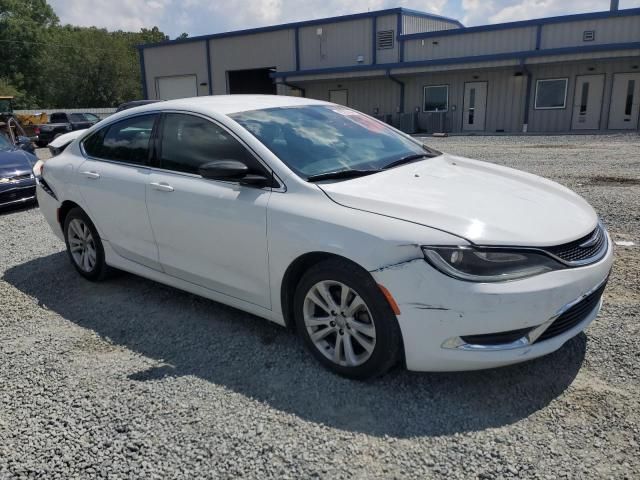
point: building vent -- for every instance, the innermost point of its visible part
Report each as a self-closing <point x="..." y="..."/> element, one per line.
<point x="385" y="39"/>
<point x="588" y="36"/>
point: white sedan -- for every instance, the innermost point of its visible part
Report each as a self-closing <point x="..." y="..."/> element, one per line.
<point x="375" y="248"/>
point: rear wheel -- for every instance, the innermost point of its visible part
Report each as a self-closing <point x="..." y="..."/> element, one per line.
<point x="345" y="320"/>
<point x="84" y="246"/>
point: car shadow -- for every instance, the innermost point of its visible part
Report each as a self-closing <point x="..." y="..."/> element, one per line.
<point x="189" y="335"/>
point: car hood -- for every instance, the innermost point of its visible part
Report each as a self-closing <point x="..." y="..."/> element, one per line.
<point x="15" y="162"/>
<point x="484" y="203"/>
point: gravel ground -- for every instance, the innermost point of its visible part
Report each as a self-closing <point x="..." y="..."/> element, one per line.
<point x="132" y="379"/>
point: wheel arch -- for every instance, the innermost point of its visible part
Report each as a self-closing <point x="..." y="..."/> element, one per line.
<point x="294" y="273"/>
<point x="64" y="210"/>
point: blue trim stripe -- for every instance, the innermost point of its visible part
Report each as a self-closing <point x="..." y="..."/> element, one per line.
<point x="538" y="37"/>
<point x="374" y="41"/>
<point x="297" y="48"/>
<point x="210" y="77"/>
<point x="400" y="41"/>
<point x="143" y="74"/>
<point x="286" y="26"/>
<point x="457" y="60"/>
<point x="525" y="23"/>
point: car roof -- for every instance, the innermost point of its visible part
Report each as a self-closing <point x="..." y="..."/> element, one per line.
<point x="229" y="104"/>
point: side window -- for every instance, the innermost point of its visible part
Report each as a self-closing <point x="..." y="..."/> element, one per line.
<point x="125" y="141"/>
<point x="189" y="142"/>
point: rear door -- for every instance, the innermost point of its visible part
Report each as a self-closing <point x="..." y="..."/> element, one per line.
<point x="474" y="107"/>
<point x="113" y="180"/>
<point x="587" y="103"/>
<point x="625" y="101"/>
<point x="210" y="233"/>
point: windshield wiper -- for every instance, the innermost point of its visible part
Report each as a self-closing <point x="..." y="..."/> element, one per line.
<point x="407" y="159"/>
<point x="338" y="174"/>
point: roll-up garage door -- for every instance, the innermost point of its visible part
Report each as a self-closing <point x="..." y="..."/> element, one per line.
<point x="181" y="86"/>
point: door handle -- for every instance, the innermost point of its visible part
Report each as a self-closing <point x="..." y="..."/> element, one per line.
<point x="92" y="175"/>
<point x="163" y="187"/>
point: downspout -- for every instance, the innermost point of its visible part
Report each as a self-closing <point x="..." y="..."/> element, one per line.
<point x="527" y="96"/>
<point x="401" y="83"/>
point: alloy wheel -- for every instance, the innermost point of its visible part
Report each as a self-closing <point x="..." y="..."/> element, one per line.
<point x="82" y="245"/>
<point x="339" y="323"/>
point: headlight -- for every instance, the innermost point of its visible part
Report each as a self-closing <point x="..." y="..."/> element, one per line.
<point x="488" y="264"/>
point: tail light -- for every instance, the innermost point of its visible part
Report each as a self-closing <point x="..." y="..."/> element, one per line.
<point x="36" y="130"/>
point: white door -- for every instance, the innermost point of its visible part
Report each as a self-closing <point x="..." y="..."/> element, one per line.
<point x="210" y="233"/>
<point x="587" y="102"/>
<point x="338" y="96"/>
<point x="182" y="86"/>
<point x="475" y="106"/>
<point x="625" y="101"/>
<point x="113" y="184"/>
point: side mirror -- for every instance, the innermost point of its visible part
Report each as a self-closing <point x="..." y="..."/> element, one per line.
<point x="224" y="170"/>
<point x="24" y="143"/>
<point x="233" y="170"/>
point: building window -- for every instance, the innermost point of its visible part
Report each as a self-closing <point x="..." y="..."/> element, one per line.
<point x="384" y="39"/>
<point x="436" y="98"/>
<point x="588" y="35"/>
<point x="551" y="94"/>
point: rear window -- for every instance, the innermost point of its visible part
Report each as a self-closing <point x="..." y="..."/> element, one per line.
<point x="126" y="141"/>
<point x="58" y="118"/>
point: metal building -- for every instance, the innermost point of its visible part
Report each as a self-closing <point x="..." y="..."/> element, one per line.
<point x="423" y="72"/>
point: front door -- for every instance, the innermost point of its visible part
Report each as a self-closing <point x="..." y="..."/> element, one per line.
<point x="113" y="182"/>
<point x="210" y="233"/>
<point x="475" y="106"/>
<point x="625" y="101"/>
<point x="587" y="103"/>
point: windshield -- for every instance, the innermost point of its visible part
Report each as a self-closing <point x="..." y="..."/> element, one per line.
<point x="5" y="144"/>
<point x="317" y="139"/>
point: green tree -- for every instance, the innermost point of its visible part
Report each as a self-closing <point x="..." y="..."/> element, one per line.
<point x="23" y="30"/>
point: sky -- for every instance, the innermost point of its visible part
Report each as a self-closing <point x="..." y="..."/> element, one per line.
<point x="199" y="17"/>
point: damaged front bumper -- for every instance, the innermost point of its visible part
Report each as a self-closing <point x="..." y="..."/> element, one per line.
<point x="450" y="325"/>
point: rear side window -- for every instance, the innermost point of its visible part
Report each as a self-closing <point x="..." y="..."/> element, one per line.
<point x="126" y="141"/>
<point x="58" y="118"/>
<point x="189" y="142"/>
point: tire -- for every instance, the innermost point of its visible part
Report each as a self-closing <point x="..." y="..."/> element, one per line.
<point x="80" y="232"/>
<point x="373" y="351"/>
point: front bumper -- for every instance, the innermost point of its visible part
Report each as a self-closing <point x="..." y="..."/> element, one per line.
<point x="18" y="193"/>
<point x="437" y="311"/>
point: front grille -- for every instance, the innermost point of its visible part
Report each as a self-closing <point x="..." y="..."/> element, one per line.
<point x="574" y="315"/>
<point x="16" y="194"/>
<point x="582" y="250"/>
<point x="500" y="338"/>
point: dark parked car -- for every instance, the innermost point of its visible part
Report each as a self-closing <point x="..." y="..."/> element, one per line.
<point x="17" y="183"/>
<point x="60" y="123"/>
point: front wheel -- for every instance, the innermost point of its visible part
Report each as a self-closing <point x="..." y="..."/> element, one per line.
<point x="345" y="320"/>
<point x="84" y="246"/>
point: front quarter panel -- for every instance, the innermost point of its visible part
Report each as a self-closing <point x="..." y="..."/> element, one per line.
<point x="302" y="222"/>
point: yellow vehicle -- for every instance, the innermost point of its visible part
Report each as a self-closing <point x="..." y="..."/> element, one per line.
<point x="10" y="125"/>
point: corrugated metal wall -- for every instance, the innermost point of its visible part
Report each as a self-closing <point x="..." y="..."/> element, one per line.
<point x="416" y="24"/>
<point x="388" y="22"/>
<point x="560" y="120"/>
<point x="607" y="30"/>
<point x="258" y="50"/>
<point x="339" y="45"/>
<point x="505" y="97"/>
<point x="177" y="59"/>
<point x="469" y="44"/>
<point x="364" y="95"/>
